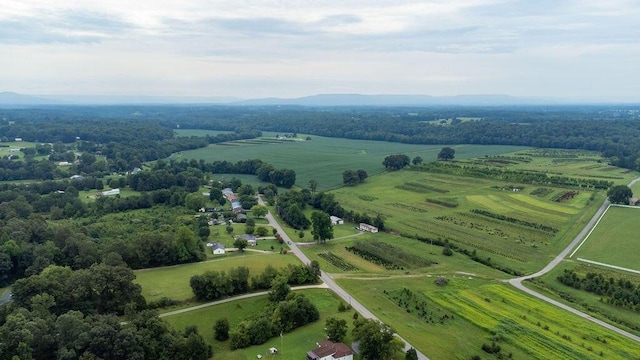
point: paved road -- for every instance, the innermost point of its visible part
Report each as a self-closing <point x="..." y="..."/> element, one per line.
<point x="329" y="280"/>
<point x="517" y="282"/>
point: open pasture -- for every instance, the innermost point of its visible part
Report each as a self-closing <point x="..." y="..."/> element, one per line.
<point x="13" y="148"/>
<point x="517" y="229"/>
<point x="292" y="345"/>
<point x="341" y="262"/>
<point x="173" y="281"/>
<point x="614" y="240"/>
<point x="572" y="163"/>
<point x="481" y="312"/>
<point x="325" y="159"/>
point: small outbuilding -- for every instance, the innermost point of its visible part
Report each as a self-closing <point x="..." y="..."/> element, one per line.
<point x="336" y="220"/>
<point x="367" y="227"/>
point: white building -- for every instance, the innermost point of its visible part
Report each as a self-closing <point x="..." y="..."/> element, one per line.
<point x="328" y="350"/>
<point x="336" y="220"/>
<point x="110" y="192"/>
<point x="369" y="228"/>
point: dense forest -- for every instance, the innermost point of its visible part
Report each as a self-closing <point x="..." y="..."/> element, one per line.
<point x="612" y="130"/>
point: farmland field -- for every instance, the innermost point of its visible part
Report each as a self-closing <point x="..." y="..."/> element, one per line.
<point x="324" y="159"/>
<point x="293" y="345"/>
<point x="585" y="301"/>
<point x="173" y="281"/>
<point x="615" y="239"/>
<point x="516" y="229"/>
<point x="470" y="312"/>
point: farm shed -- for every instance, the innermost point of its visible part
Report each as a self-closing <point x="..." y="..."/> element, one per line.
<point x="367" y="227"/>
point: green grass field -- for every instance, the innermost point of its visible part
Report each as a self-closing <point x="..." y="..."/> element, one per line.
<point x="479" y="311"/>
<point x="615" y="240"/>
<point x="325" y="159"/>
<point x="293" y="345"/>
<point x="402" y="199"/>
<point x="586" y="301"/>
<point x="173" y="281"/>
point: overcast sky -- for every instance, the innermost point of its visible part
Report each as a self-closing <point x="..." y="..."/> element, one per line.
<point x="556" y="48"/>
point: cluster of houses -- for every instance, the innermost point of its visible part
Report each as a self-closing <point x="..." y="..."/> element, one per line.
<point x="236" y="207"/>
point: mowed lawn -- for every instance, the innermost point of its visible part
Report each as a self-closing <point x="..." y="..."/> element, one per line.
<point x="173" y="281"/>
<point x="469" y="312"/>
<point x="615" y="240"/>
<point x="293" y="345"/>
<point x="325" y="159"/>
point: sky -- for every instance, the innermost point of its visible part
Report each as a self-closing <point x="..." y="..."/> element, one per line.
<point x="588" y="49"/>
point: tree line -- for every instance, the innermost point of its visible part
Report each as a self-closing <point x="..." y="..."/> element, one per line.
<point x="66" y="314"/>
<point x="618" y="292"/>
<point x="214" y="285"/>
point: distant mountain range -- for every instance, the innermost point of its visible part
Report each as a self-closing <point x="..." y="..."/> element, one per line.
<point x="9" y="99"/>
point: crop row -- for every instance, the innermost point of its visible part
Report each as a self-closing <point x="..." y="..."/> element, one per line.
<point x="418" y="304"/>
<point x="421" y="188"/>
<point x="337" y="261"/>
<point x="448" y="204"/>
<point x="542" y="191"/>
<point x="374" y="258"/>
<point x="565" y="196"/>
<point x="387" y="255"/>
<point x="514" y="220"/>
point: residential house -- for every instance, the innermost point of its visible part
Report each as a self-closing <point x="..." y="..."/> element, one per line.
<point x="218" y="249"/>
<point x="336" y="220"/>
<point x="251" y="239"/>
<point x="369" y="228"/>
<point x="328" y="350"/>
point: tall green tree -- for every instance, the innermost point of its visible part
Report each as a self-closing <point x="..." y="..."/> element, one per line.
<point x="376" y="339"/>
<point x="446" y="154"/>
<point x="259" y="211"/>
<point x="620" y="194"/>
<point x="221" y="329"/>
<point x="395" y="161"/>
<point x="313" y="185"/>
<point x="322" y="227"/>
<point x="336" y="329"/>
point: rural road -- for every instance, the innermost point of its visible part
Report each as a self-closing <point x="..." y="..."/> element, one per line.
<point x="517" y="282"/>
<point x="329" y="280"/>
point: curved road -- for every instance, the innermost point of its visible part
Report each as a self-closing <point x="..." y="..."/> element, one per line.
<point x="329" y="280"/>
<point x="517" y="282"/>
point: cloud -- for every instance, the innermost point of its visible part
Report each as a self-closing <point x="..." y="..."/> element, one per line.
<point x="62" y="27"/>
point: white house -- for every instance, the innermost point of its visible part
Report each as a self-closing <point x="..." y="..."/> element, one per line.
<point x="218" y="249"/>
<point x="110" y="192"/>
<point x="369" y="228"/>
<point x="328" y="350"/>
<point x="336" y="220"/>
<point x="18" y="139"/>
